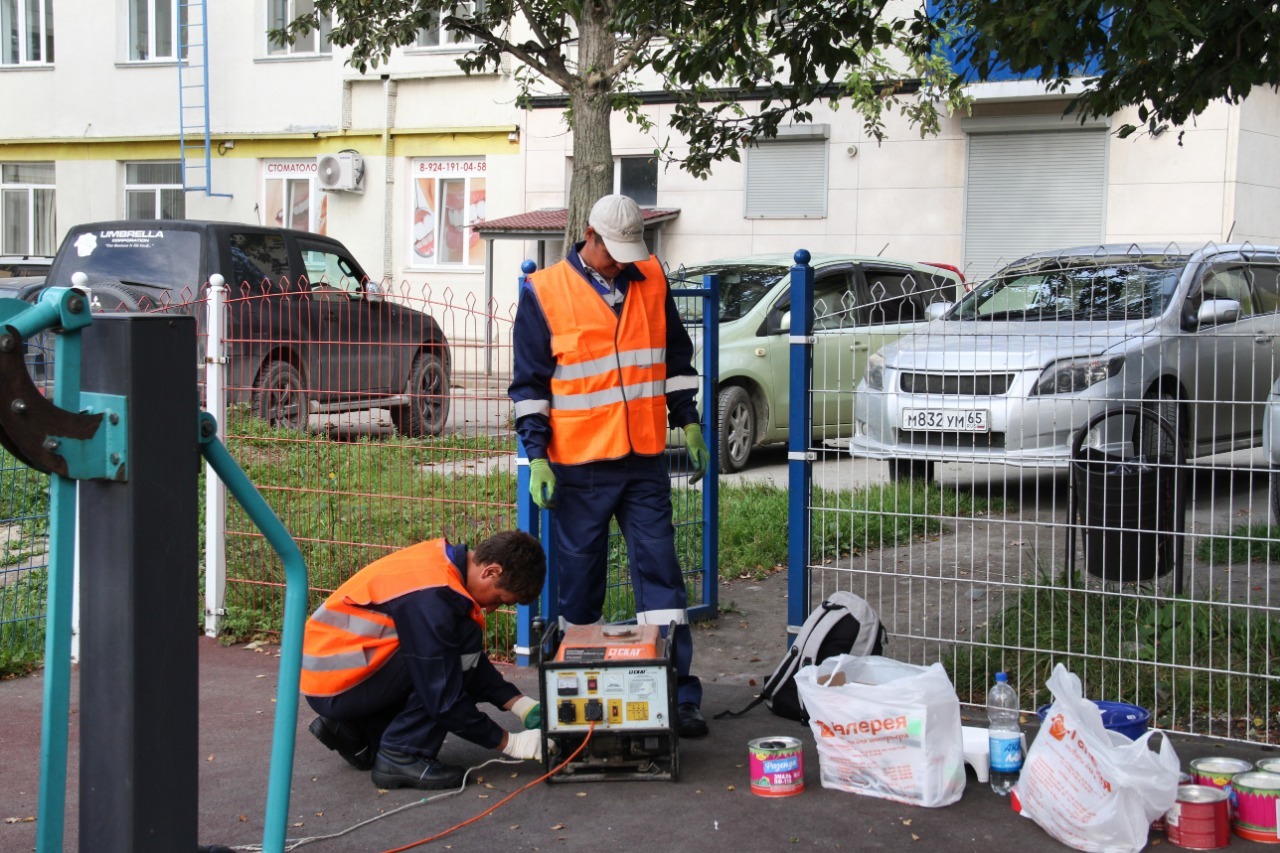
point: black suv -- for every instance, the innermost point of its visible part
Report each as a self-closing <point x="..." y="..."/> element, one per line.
<point x="308" y="332"/>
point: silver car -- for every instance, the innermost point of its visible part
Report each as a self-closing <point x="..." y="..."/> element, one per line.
<point x="1010" y="372"/>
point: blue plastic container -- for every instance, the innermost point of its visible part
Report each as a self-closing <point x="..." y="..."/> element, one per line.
<point x="1122" y="717"/>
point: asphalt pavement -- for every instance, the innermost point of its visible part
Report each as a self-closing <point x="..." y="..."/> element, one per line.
<point x="710" y="808"/>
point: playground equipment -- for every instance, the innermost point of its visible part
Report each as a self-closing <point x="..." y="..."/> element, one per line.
<point x="123" y="430"/>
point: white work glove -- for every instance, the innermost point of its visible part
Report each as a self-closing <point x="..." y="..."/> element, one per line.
<point x="524" y="745"/>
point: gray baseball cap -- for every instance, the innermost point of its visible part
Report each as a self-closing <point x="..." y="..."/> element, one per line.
<point x="619" y="222"/>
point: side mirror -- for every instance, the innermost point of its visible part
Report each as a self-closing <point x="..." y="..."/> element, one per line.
<point x="934" y="310"/>
<point x="1214" y="312"/>
<point x="373" y="291"/>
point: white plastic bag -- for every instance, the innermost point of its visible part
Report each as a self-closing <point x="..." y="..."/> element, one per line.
<point x="885" y="728"/>
<point x="1090" y="788"/>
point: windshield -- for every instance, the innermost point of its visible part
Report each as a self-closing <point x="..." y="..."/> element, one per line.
<point x="159" y="257"/>
<point x="742" y="286"/>
<point x="1085" y="288"/>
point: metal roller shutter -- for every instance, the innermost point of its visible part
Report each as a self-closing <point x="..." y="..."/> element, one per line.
<point x="787" y="179"/>
<point x="1027" y="192"/>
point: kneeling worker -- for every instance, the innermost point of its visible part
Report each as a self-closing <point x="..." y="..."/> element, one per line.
<point x="394" y="659"/>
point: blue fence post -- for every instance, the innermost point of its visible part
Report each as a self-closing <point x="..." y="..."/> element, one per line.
<point x="537" y="523"/>
<point x="710" y="427"/>
<point x="799" y="457"/>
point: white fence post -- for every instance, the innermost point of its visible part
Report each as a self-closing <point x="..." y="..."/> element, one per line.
<point x="215" y="493"/>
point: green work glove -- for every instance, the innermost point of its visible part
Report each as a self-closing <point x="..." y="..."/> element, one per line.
<point x="542" y="483"/>
<point x="529" y="711"/>
<point x="698" y="454"/>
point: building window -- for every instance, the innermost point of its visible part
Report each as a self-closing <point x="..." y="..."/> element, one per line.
<point x="154" y="191"/>
<point x="448" y="198"/>
<point x="314" y="43"/>
<point x="26" y="32"/>
<point x="637" y="177"/>
<point x="26" y="209"/>
<point x="786" y="177"/>
<point x="435" y="34"/>
<point x="291" y="197"/>
<point x="153" y="30"/>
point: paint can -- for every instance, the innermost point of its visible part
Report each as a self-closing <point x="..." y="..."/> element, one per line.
<point x="776" y="765"/>
<point x="1216" y="772"/>
<point x="1268" y="765"/>
<point x="1198" y="819"/>
<point x="1257" y="796"/>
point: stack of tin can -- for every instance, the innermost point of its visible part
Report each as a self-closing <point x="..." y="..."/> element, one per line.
<point x="1222" y="794"/>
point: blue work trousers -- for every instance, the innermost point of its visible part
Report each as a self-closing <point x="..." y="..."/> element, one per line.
<point x="637" y="491"/>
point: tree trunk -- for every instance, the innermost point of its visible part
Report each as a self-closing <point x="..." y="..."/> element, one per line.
<point x="592" y="105"/>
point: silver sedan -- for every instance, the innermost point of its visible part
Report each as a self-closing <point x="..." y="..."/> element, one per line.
<point x="1013" y="370"/>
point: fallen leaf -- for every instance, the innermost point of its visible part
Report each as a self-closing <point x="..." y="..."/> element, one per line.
<point x="211" y="756"/>
<point x="260" y="676"/>
<point x="299" y="823"/>
<point x="515" y="826"/>
<point x="906" y="822"/>
<point x="558" y="826"/>
<point x="730" y="788"/>
<point x="319" y="814"/>
<point x="915" y="837"/>
<point x="241" y="818"/>
<point x="20" y="820"/>
<point x="488" y="785"/>
<point x="483" y="796"/>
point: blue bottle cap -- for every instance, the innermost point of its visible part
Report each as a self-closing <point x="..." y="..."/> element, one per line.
<point x="1001" y="677"/>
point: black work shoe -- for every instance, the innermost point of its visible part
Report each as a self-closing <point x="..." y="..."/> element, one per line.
<point x="345" y="741"/>
<point x="396" y="770"/>
<point x="690" y="719"/>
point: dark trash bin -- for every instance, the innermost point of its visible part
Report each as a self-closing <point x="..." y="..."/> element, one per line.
<point x="1132" y="509"/>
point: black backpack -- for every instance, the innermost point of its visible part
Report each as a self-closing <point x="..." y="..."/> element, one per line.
<point x="844" y="624"/>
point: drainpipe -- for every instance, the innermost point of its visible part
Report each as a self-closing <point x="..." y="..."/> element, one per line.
<point x="389" y="87"/>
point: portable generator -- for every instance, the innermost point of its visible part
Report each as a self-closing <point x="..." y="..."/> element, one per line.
<point x="616" y="683"/>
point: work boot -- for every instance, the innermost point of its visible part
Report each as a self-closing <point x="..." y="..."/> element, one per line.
<point x="690" y="719"/>
<point x="393" y="769"/>
<point x="345" y="740"/>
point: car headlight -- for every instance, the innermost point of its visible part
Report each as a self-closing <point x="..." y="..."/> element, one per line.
<point x="875" y="372"/>
<point x="1076" y="374"/>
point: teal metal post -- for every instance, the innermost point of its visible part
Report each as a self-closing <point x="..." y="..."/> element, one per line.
<point x="276" y="821"/>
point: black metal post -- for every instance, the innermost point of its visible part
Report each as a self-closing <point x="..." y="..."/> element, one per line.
<point x="139" y="619"/>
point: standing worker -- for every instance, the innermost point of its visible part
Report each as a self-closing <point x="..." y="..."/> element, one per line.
<point x="600" y="358"/>
<point x="394" y="660"/>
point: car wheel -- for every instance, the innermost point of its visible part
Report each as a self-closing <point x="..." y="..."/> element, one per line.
<point x="737" y="428"/>
<point x="428" y="392"/>
<point x="903" y="470"/>
<point x="280" y="398"/>
<point x="1153" y="440"/>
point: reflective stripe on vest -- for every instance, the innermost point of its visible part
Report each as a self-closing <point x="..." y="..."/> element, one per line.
<point x="608" y="391"/>
<point x="346" y="641"/>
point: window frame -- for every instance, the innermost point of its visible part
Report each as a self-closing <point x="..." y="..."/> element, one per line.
<point x="177" y="14"/>
<point x="445" y="40"/>
<point x="440" y="170"/>
<point x="32" y="245"/>
<point x="292" y="173"/>
<point x="279" y="14"/>
<point x="155" y="189"/>
<point x="43" y="32"/>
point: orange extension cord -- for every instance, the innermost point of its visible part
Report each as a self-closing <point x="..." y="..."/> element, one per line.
<point x="501" y="802"/>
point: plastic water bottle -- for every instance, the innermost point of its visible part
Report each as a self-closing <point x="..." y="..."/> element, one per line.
<point x="1004" y="735"/>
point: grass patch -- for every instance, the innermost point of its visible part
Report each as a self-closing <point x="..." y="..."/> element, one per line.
<point x="22" y="610"/>
<point x="1192" y="663"/>
<point x="1244" y="543"/>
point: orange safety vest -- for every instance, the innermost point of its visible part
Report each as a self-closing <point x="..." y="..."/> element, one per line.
<point x="608" y="392"/>
<point x="346" y="641"/>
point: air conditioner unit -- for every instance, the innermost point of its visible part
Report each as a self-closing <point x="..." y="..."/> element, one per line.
<point x="341" y="172"/>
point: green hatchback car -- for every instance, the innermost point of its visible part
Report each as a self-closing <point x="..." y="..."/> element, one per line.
<point x="860" y="304"/>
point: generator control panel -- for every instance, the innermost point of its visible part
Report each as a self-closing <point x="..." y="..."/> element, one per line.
<point x="617" y="677"/>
